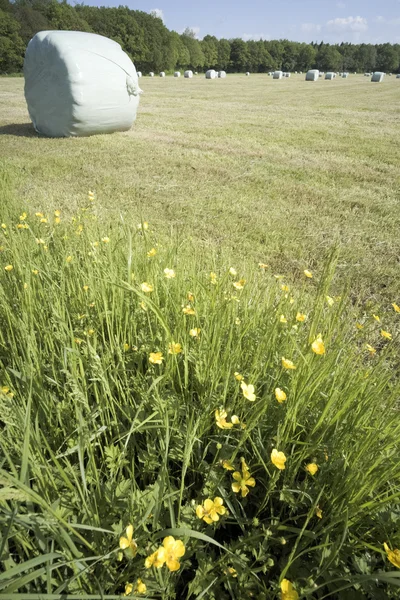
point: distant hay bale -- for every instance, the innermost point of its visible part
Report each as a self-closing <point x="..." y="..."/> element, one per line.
<point x="151" y="74"/>
<point x="211" y="74"/>
<point x="177" y="74"/>
<point x="247" y="74"/>
<point x="377" y="76"/>
<point x="162" y="74"/>
<point x="221" y="74"/>
<point x="196" y="73"/>
<point x="287" y="74"/>
<point x="398" y="76"/>
<point x="188" y="74"/>
<point x="330" y="75"/>
<point x="277" y="75"/>
<point x="312" y="75"/>
<point x="345" y="75"/>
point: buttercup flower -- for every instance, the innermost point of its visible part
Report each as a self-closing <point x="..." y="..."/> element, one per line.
<point x="287" y="364"/>
<point x="195" y="332"/>
<point x="169" y="553"/>
<point x="386" y="334"/>
<point x="312" y="468"/>
<point x="393" y="555"/>
<point x="263" y="266"/>
<point x="68" y="259"/>
<point x="174" y="348"/>
<point x="318" y="512"/>
<point x="152" y="252"/>
<point x="146" y="287"/>
<point x="190" y="296"/>
<point x="318" y="346"/>
<point x="143" y="306"/>
<point x="396" y="308"/>
<point x="232" y="271"/>
<point x="238" y="376"/>
<point x="237" y="321"/>
<point x="140" y="587"/>
<point x="248" y="391"/>
<point x="280" y="395"/>
<point x="370" y="349"/>
<point x="221" y="422"/>
<point x="128" y="589"/>
<point x="213" y="278"/>
<point x="157" y="559"/>
<point x="143" y="226"/>
<point x="37" y="214"/>
<point x="279" y="276"/>
<point x="308" y="273"/>
<point x="300" y="317"/>
<point x="44" y="220"/>
<point x="377" y="318"/>
<point x="284" y="287"/>
<point x="3" y="226"/>
<point x="239" y="285"/>
<point x="156" y="358"/>
<point x="330" y="300"/>
<point x="210" y="510"/>
<point x="278" y="459"/>
<point x="57" y="213"/>
<point x="91" y="196"/>
<point x="243" y="480"/>
<point x="169" y="273"/>
<point x="359" y="326"/>
<point x="230" y="571"/>
<point x="282" y="319"/>
<point x="23" y="216"/>
<point x="85" y="288"/>
<point x="227" y="465"/>
<point x="287" y="591"/>
<point x="128" y="543"/>
<point x="188" y="310"/>
<point x="126" y="347"/>
<point x="8" y="268"/>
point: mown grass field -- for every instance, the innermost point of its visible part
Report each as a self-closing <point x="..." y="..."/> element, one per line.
<point x="199" y="390"/>
<point x="265" y="170"/>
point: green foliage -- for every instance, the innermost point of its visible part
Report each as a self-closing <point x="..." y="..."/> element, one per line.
<point x="95" y="436"/>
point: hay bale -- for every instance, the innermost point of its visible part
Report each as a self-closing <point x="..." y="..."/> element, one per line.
<point x="188" y="74"/>
<point x="151" y="74"/>
<point x="277" y="75"/>
<point x="312" y="75"/>
<point x="79" y="84"/>
<point x="211" y="74"/>
<point x="398" y="76"/>
<point x="139" y="73"/>
<point x="221" y="74"/>
<point x="177" y="74"/>
<point x="345" y="75"/>
<point x="247" y="74"/>
<point x="162" y="74"/>
<point x="330" y="75"/>
<point x="378" y="76"/>
<point x="287" y="74"/>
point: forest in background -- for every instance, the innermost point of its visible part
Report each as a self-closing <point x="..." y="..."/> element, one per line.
<point x="153" y="47"/>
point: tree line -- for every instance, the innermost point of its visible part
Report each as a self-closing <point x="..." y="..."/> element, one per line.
<point x="153" y="47"/>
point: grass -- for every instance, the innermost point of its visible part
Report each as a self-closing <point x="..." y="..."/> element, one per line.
<point x="99" y="432"/>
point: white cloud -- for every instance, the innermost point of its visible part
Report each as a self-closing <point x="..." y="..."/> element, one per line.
<point x="157" y="13"/>
<point x="254" y="37"/>
<point x="310" y="27"/>
<point x="384" y="21"/>
<point x="354" y="24"/>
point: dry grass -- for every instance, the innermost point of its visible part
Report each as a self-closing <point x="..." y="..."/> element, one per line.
<point x="277" y="171"/>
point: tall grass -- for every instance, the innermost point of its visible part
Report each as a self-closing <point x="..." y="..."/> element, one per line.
<point x="95" y="437"/>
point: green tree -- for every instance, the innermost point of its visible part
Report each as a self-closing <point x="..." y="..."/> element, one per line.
<point x="306" y="57"/>
<point x="209" y="46"/>
<point x="387" y="58"/>
<point x="240" y="56"/>
<point x="12" y="47"/>
<point x="329" y="58"/>
<point x="224" y="54"/>
<point x="196" y="56"/>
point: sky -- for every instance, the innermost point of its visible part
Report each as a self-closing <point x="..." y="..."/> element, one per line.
<point x="369" y="21"/>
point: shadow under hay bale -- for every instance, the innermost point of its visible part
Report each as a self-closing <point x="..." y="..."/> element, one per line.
<point x="19" y="129"/>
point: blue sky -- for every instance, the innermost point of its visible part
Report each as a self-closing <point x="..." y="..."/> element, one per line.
<point x="301" y="20"/>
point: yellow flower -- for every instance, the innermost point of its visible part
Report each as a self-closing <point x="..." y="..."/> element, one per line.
<point x="312" y="468"/>
<point x="248" y="391"/>
<point x="263" y="266"/>
<point x="38" y="214"/>
<point x="57" y="213"/>
<point x="57" y="220"/>
<point x="3" y="226"/>
<point x="140" y="587"/>
<point x="232" y="271"/>
<point x="370" y="349"/>
<point x="195" y="332"/>
<point x="210" y="510"/>
<point x="143" y="306"/>
<point x="85" y="288"/>
<point x="156" y="358"/>
<point x="243" y="480"/>
<point x="95" y="244"/>
<point x="213" y="278"/>
<point x="393" y="555"/>
<point x="227" y="465"/>
<point x="128" y="589"/>
<point x="285" y="288"/>
<point x="386" y="334"/>
<point x="318" y="512"/>
<point x="23" y="216"/>
<point x="43" y="220"/>
<point x="279" y="277"/>
<point x="287" y="591"/>
<point x="237" y="321"/>
<point x="128" y="543"/>
<point x="190" y="296"/>
<point x="278" y="459"/>
<point x="152" y="252"/>
<point x="238" y="376"/>
<point x="287" y="364"/>
<point x="330" y="300"/>
<point x="126" y="347"/>
<point x="105" y="240"/>
<point x="8" y="268"/>
<point x="168" y="553"/>
<point x="143" y="226"/>
<point x="308" y="273"/>
<point x="188" y="310"/>
<point x="40" y="241"/>
<point x="280" y="395"/>
<point x="221" y="422"/>
<point x="35" y="271"/>
<point x="169" y="273"/>
<point x="25" y="286"/>
<point x="239" y="285"/>
<point x="318" y="346"/>
<point x="282" y="319"/>
<point x="68" y="259"/>
<point x="157" y="559"/>
<point x="22" y="226"/>
<point x="174" y="348"/>
<point x="301" y="317"/>
<point x="377" y="318"/>
<point x="396" y="308"/>
<point x="146" y="287"/>
<point x="359" y="326"/>
<point x="231" y="571"/>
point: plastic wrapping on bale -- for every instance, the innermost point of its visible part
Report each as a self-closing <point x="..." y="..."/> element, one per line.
<point x="277" y="75"/>
<point x="247" y="74"/>
<point x="221" y="74"/>
<point x="177" y="74"/>
<point x="139" y="73"/>
<point x="330" y="75"/>
<point x="211" y="74"/>
<point x="188" y="74"/>
<point x="151" y="74"/>
<point x="162" y="74"/>
<point x="312" y="75"/>
<point x="79" y="84"/>
<point x="377" y="77"/>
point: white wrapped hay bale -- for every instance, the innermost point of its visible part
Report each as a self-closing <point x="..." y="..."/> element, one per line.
<point x="398" y="76"/>
<point x="162" y="74"/>
<point x="188" y="74"/>
<point x="177" y="74"/>
<point x="287" y="74"/>
<point x="330" y="75"/>
<point x="312" y="75"/>
<point x="221" y="74"/>
<point x="247" y="74"/>
<point x="377" y="76"/>
<point x="345" y="75"/>
<point x="139" y="73"/>
<point x="79" y="84"/>
<point x="151" y="74"/>
<point x="211" y="74"/>
<point x="277" y="75"/>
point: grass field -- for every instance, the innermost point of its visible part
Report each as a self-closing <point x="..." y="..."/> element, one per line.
<point x="199" y="390"/>
<point x="277" y="171"/>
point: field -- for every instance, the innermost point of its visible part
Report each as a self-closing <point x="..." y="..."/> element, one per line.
<point x="199" y="357"/>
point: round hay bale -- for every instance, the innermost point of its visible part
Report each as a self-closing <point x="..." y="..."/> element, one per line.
<point x="378" y="76"/>
<point x="188" y="74"/>
<point x="312" y="75"/>
<point x="151" y="74"/>
<point x="277" y="75"/>
<point x="247" y="74"/>
<point x="221" y="74"/>
<point x="211" y="74"/>
<point x="139" y="73"/>
<point x="162" y="74"/>
<point x="330" y="75"/>
<point x="177" y="74"/>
